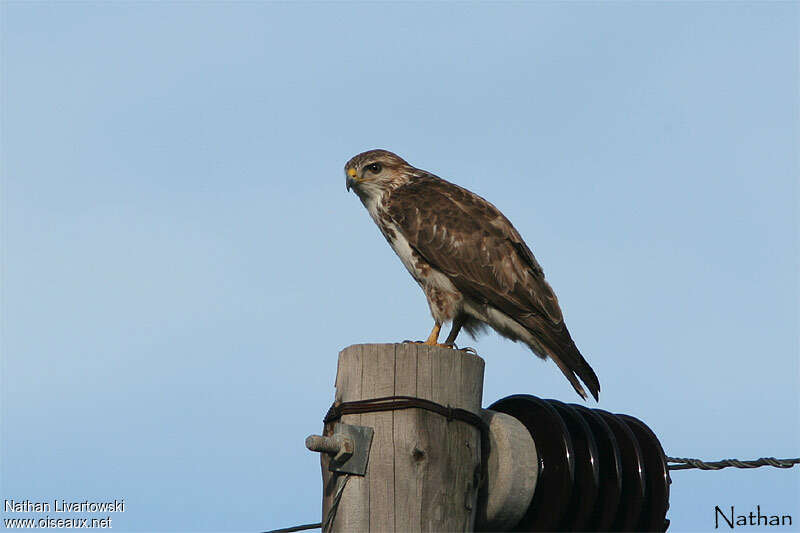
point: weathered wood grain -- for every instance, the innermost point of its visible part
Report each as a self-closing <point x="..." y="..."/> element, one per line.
<point x="408" y="471"/>
<point x="353" y="511"/>
<point x="379" y="364"/>
<point x="421" y="470"/>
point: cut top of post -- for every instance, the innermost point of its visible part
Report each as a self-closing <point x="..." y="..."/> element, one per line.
<point x="446" y="376"/>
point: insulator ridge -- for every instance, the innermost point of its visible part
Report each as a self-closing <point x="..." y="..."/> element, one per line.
<point x="598" y="471"/>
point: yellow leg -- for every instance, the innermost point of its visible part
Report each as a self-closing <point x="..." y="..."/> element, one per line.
<point x="433" y="338"/>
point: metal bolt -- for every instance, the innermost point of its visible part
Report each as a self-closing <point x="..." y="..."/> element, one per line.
<point x="339" y="446"/>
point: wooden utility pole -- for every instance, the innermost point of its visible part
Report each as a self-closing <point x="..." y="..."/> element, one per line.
<point x="407" y="448"/>
<point x="423" y="468"/>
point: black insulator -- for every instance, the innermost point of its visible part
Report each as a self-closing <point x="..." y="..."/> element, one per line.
<point x="556" y="460"/>
<point x="633" y="474"/>
<point x="605" y="509"/>
<point x="587" y="469"/>
<point x="655" y="509"/>
<point x="597" y="471"/>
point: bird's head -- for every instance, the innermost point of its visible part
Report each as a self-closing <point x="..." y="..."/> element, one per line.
<point x="374" y="172"/>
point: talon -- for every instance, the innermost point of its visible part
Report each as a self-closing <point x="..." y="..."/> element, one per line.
<point x="469" y="350"/>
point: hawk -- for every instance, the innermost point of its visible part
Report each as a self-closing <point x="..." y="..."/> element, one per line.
<point x="471" y="263"/>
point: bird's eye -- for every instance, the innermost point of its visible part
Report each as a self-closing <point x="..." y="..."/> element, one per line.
<point x="374" y="168"/>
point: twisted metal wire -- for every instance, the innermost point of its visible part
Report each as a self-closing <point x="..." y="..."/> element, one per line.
<point x="324" y="526"/>
<point x="684" y="463"/>
<point x="303" y="527"/>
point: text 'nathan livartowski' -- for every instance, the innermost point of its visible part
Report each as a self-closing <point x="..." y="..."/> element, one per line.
<point x="63" y="506"/>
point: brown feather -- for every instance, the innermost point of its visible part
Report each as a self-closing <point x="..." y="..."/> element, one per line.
<point x="468" y="239"/>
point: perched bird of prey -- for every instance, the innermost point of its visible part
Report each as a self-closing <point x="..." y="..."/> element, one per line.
<point x="472" y="264"/>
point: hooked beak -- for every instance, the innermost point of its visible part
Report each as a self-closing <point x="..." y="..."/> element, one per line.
<point x="351" y="180"/>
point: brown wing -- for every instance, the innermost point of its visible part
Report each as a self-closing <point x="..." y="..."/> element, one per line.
<point x="468" y="239"/>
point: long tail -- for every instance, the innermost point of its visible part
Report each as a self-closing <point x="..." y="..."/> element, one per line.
<point x="557" y="344"/>
<point x="578" y="366"/>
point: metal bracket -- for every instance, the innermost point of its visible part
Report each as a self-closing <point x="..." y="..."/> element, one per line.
<point x="349" y="447"/>
<point x="362" y="442"/>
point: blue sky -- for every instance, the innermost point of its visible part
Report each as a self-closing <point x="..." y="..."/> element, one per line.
<point x="182" y="264"/>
